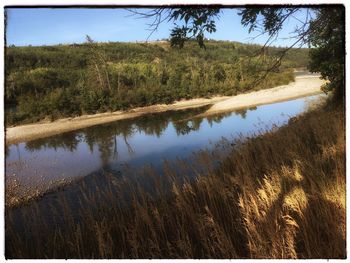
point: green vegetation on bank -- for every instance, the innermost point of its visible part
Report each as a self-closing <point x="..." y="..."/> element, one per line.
<point x="280" y="194"/>
<point x="70" y="80"/>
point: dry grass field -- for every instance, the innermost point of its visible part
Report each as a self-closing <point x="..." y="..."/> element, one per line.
<point x="277" y="195"/>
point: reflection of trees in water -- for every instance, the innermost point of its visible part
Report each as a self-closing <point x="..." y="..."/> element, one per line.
<point x="243" y="112"/>
<point x="68" y="141"/>
<point x="252" y="108"/>
<point x="155" y="124"/>
<point x="152" y="124"/>
<point x="217" y="118"/>
<point x="104" y="141"/>
<point x="185" y="127"/>
<point x="126" y="131"/>
<point x="105" y="149"/>
<point x="105" y="137"/>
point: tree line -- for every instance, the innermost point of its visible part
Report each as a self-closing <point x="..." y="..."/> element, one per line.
<point x="50" y="82"/>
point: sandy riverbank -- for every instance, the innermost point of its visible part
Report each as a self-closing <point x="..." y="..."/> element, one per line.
<point x="34" y="131"/>
<point x="303" y="86"/>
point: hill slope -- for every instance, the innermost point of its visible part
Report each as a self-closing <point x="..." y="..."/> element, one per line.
<point x="70" y="80"/>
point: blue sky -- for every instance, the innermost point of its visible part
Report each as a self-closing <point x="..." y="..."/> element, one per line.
<point x="49" y="26"/>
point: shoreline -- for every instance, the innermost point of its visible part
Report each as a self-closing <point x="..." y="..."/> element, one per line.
<point x="29" y="132"/>
<point x="303" y="86"/>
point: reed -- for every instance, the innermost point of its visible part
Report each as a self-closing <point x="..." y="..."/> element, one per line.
<point x="280" y="194"/>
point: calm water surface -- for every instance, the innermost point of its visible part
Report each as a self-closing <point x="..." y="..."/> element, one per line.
<point x="44" y="163"/>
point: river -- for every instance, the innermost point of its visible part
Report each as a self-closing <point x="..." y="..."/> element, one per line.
<point x="39" y="166"/>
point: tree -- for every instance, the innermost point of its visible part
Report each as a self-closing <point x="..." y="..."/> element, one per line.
<point x="219" y="73"/>
<point x="324" y="33"/>
<point x="327" y="35"/>
<point x="323" y="29"/>
<point x="98" y="59"/>
<point x="197" y="21"/>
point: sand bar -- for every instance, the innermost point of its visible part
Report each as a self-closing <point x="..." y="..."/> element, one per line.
<point x="43" y="129"/>
<point x="303" y="86"/>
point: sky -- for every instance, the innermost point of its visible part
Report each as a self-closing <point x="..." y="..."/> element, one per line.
<point x="51" y="26"/>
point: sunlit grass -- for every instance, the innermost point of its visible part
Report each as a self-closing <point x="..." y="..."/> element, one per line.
<point x="279" y="195"/>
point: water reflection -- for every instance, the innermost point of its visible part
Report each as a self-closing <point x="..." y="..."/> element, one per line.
<point x="148" y="139"/>
<point x="67" y="141"/>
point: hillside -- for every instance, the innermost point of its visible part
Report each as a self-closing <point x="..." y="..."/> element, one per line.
<point x="71" y="80"/>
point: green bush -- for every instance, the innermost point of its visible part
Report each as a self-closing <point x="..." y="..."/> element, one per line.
<point x="69" y="80"/>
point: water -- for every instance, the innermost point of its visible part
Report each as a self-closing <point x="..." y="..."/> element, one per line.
<point x="40" y="165"/>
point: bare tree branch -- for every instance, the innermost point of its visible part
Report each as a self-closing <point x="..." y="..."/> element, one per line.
<point x="160" y="15"/>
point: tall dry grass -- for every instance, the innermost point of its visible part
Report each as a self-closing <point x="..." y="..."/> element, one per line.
<point x="279" y="195"/>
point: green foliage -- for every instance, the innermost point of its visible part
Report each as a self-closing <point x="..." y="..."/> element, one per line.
<point x="271" y="18"/>
<point x="324" y="32"/>
<point x="322" y="28"/>
<point x="197" y="22"/>
<point x="68" y="80"/>
<point x="328" y="35"/>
